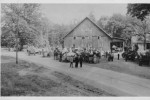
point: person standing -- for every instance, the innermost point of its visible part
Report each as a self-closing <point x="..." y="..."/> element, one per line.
<point x="80" y="60"/>
<point x="118" y="56"/>
<point x="95" y="59"/>
<point x="55" y="54"/>
<point x="107" y="54"/>
<point x="112" y="56"/>
<point x="76" y="61"/>
<point x="71" y="61"/>
<point x="60" y="59"/>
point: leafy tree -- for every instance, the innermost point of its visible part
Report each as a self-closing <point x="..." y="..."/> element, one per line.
<point x="7" y="39"/>
<point x="141" y="11"/>
<point x="115" y="25"/>
<point x="21" y="20"/>
<point x="124" y="26"/>
<point x="92" y="17"/>
<point x="138" y="10"/>
<point x="102" y="22"/>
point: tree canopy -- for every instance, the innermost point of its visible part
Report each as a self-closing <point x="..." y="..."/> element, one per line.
<point x="26" y="22"/>
<point x="138" y="10"/>
<point x="124" y="26"/>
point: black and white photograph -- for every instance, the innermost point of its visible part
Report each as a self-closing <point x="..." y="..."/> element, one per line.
<point x="75" y="49"/>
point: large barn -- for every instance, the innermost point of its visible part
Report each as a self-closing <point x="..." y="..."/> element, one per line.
<point x="88" y="35"/>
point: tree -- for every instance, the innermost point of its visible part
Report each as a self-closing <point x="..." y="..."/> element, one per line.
<point x="141" y="11"/>
<point x="115" y="25"/>
<point x="92" y="17"/>
<point x="7" y="39"/>
<point x="102" y="22"/>
<point x="122" y="26"/>
<point x="21" y="20"/>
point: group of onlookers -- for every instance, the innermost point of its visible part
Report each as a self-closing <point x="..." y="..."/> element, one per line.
<point x="81" y="55"/>
<point x="78" y="59"/>
<point x="77" y="55"/>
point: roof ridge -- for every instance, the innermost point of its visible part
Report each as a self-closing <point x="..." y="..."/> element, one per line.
<point x="92" y="23"/>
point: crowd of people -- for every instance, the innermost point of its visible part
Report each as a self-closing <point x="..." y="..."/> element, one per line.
<point x="78" y="55"/>
<point x="74" y="55"/>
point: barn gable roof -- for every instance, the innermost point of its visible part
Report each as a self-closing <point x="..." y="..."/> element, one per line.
<point x="92" y="23"/>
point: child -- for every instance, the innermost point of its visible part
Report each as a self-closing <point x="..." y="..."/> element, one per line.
<point x="71" y="61"/>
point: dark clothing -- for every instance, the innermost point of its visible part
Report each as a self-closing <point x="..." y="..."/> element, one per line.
<point x="80" y="60"/>
<point x="107" y="54"/>
<point x="71" y="64"/>
<point x="76" y="62"/>
<point x="126" y="58"/>
<point x="80" y="63"/>
<point x="60" y="59"/>
<point x="55" y="54"/>
<point x="118" y="56"/>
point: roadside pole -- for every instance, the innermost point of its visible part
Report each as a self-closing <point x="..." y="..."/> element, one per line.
<point x="17" y="47"/>
<point x="17" y="41"/>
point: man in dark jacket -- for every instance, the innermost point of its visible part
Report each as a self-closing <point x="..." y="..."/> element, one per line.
<point x="80" y="60"/>
<point x="76" y="61"/>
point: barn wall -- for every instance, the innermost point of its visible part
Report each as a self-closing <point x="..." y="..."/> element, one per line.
<point x="90" y="33"/>
<point x="87" y="29"/>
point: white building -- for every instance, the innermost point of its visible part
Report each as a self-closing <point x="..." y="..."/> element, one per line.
<point x="139" y="40"/>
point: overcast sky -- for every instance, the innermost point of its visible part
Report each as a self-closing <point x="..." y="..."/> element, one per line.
<point x="66" y="13"/>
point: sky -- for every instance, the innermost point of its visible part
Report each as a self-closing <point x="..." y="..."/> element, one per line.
<point x="68" y="13"/>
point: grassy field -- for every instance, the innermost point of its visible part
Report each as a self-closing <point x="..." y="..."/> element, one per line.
<point x="29" y="79"/>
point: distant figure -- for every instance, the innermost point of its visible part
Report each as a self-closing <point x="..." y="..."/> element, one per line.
<point x="107" y="54"/>
<point x="76" y="61"/>
<point x="95" y="58"/>
<point x="118" y="56"/>
<point x="43" y="52"/>
<point x="55" y="54"/>
<point x="71" y="61"/>
<point x="91" y="57"/>
<point x="60" y="59"/>
<point x="80" y="60"/>
<point x="110" y="56"/>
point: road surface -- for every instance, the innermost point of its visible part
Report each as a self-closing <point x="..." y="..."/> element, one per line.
<point x="112" y="82"/>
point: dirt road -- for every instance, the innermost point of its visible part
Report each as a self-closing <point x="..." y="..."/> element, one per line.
<point x="29" y="79"/>
<point x="112" y="82"/>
